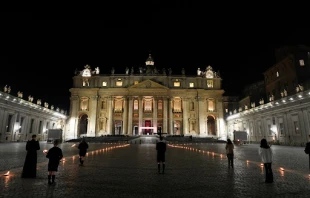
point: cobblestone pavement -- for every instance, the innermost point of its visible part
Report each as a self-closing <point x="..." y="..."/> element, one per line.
<point x="195" y="170"/>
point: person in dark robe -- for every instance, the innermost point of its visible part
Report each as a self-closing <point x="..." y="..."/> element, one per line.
<point x="30" y="165"/>
<point x="161" y="150"/>
<point x="83" y="146"/>
<point x="54" y="155"/>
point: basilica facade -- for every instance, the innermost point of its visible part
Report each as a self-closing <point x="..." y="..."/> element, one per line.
<point x="146" y="101"/>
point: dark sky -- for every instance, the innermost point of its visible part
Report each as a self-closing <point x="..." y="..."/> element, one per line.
<point x="39" y="57"/>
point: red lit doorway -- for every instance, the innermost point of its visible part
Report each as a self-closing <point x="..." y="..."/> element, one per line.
<point x="147" y="124"/>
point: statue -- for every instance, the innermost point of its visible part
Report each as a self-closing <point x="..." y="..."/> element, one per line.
<point x="170" y="71"/>
<point x="164" y="72"/>
<point x="97" y="70"/>
<point x="282" y="94"/>
<point x="45" y="104"/>
<point x="235" y="111"/>
<point x="132" y="71"/>
<point x="5" y="88"/>
<point x="112" y="71"/>
<point x="285" y="92"/>
<point x="52" y="107"/>
<point x="245" y="107"/>
<point x="20" y="94"/>
<point x="62" y="111"/>
<point x="39" y="102"/>
<point x="301" y="87"/>
<point x="127" y="70"/>
<point x="141" y="70"/>
<point x="240" y="109"/>
<point x="29" y="98"/>
<point x="183" y="71"/>
<point x="9" y="89"/>
<point x="297" y="88"/>
<point x="198" y="72"/>
<point x="57" y="109"/>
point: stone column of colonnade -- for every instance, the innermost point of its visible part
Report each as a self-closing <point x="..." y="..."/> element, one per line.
<point x="73" y="123"/>
<point x="91" y="132"/>
<point x="185" y="116"/>
<point x="140" y="115"/>
<point x="110" y="116"/>
<point x="130" y="107"/>
<point x="165" y="118"/>
<point x="125" y="116"/>
<point x="170" y="108"/>
<point x="202" y="117"/>
<point x="155" y="115"/>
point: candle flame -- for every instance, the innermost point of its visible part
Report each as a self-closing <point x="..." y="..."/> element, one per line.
<point x="6" y="174"/>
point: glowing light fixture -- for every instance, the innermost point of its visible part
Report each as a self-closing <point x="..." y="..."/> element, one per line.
<point x="7" y="174"/>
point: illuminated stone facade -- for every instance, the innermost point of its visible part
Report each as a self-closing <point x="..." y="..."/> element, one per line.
<point x="20" y="118"/>
<point x="145" y="101"/>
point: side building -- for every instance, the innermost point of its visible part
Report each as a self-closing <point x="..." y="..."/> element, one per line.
<point x="146" y="101"/>
<point x="282" y="114"/>
<point x="20" y="119"/>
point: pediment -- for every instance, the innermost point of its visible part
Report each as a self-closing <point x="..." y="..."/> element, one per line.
<point x="148" y="84"/>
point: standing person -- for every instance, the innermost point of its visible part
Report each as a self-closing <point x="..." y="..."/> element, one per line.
<point x="30" y="165"/>
<point x="266" y="155"/>
<point x="54" y="155"/>
<point x="307" y="150"/>
<point x="83" y="146"/>
<point x="230" y="153"/>
<point x="161" y="150"/>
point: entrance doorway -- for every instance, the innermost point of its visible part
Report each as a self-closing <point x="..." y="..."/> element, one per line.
<point x="83" y="125"/>
<point x="147" y="124"/>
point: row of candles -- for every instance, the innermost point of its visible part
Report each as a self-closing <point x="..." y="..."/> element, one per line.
<point x="92" y="152"/>
<point x="183" y="146"/>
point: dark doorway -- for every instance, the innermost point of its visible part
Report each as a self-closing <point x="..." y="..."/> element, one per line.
<point x="83" y="125"/>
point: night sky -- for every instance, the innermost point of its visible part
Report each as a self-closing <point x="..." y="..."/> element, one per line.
<point x="39" y="57"/>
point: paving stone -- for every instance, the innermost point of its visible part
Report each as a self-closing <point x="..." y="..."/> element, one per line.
<point x="131" y="171"/>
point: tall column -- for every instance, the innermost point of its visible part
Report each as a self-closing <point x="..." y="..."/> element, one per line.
<point x="140" y="114"/>
<point x="170" y="116"/>
<point x="110" y="118"/>
<point x="130" y="106"/>
<point x="93" y="116"/>
<point x="202" y="119"/>
<point x="307" y="125"/>
<point x="74" y="100"/>
<point x="125" y="116"/>
<point x="155" y="114"/>
<point x="165" y="111"/>
<point x="185" y="116"/>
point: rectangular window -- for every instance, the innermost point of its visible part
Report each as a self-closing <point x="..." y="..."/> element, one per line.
<point x="8" y="124"/>
<point x="135" y="105"/>
<point x="160" y="104"/>
<point x="104" y="84"/>
<point x="302" y="62"/>
<point x="210" y="83"/>
<point x="177" y="84"/>
<point x="119" y="83"/>
<point x="191" y="84"/>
